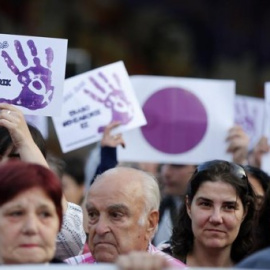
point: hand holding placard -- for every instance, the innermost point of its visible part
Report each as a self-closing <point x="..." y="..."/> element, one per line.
<point x="92" y="102"/>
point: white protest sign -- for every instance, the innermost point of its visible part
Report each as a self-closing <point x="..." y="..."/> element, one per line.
<point x="265" y="162"/>
<point x="32" y="73"/>
<point x="91" y="101"/>
<point x="40" y="122"/>
<point x="187" y="120"/>
<point x="249" y="114"/>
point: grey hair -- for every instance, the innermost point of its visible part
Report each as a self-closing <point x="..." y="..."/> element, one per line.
<point x="149" y="187"/>
<point x="149" y="183"/>
<point x="152" y="197"/>
<point x="151" y="192"/>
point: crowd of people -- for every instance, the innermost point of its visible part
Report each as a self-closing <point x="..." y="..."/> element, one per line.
<point x="139" y="216"/>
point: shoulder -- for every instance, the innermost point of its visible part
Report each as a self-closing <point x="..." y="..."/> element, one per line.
<point x="86" y="258"/>
<point x="171" y="260"/>
<point x="260" y="259"/>
<point x="73" y="209"/>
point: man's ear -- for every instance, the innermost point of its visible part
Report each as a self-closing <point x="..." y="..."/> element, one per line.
<point x="188" y="206"/>
<point x="152" y="222"/>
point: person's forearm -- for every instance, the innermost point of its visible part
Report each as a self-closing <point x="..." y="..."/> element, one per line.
<point x="29" y="152"/>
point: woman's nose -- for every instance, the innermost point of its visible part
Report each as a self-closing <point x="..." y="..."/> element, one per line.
<point x="216" y="216"/>
<point x="30" y="225"/>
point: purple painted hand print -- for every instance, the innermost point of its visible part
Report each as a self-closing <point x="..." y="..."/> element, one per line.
<point x="112" y="98"/>
<point x="245" y="116"/>
<point x="37" y="91"/>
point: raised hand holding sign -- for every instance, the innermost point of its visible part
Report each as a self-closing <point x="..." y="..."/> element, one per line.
<point x="93" y="101"/>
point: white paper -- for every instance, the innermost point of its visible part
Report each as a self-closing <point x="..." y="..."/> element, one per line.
<point x="32" y="73"/>
<point x="91" y="101"/>
<point x="249" y="114"/>
<point x="215" y="98"/>
<point x="40" y="122"/>
<point x="265" y="162"/>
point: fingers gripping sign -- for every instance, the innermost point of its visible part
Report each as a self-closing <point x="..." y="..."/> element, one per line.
<point x="37" y="90"/>
<point x="111" y="97"/>
<point x="112" y="140"/>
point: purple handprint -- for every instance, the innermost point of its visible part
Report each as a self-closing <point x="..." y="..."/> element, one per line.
<point x="112" y="98"/>
<point x="246" y="118"/>
<point x="37" y="91"/>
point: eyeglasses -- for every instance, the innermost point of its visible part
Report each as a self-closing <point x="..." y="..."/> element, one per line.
<point x="236" y="169"/>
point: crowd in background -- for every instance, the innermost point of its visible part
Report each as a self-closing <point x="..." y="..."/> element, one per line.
<point x="214" y="214"/>
<point x="139" y="216"/>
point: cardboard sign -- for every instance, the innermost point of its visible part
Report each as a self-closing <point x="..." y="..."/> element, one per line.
<point x="187" y="120"/>
<point x="32" y="73"/>
<point x="91" y="101"/>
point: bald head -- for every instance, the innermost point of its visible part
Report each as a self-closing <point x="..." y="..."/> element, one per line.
<point x="134" y="182"/>
<point x="122" y="206"/>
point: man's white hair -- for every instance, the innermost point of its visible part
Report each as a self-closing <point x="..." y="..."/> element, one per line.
<point x="151" y="192"/>
<point x="149" y="187"/>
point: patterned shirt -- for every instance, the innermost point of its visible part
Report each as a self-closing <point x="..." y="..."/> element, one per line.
<point x="89" y="259"/>
<point x="70" y="240"/>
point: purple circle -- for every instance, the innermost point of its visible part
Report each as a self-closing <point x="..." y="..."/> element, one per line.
<point x="176" y="120"/>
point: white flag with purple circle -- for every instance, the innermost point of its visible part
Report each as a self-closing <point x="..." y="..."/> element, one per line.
<point x="187" y="120"/>
<point x="32" y="73"/>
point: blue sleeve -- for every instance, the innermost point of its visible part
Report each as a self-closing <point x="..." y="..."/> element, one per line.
<point x="108" y="160"/>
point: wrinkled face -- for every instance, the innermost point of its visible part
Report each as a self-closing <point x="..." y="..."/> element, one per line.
<point x="28" y="228"/>
<point x="116" y="222"/>
<point x="175" y="178"/>
<point x="216" y="213"/>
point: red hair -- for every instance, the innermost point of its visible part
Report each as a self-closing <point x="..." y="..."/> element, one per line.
<point x="17" y="176"/>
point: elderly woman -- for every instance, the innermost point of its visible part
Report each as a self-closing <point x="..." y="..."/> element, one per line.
<point x="19" y="140"/>
<point x="30" y="213"/>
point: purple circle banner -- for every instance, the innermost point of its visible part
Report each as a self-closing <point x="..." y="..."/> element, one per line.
<point x="176" y="120"/>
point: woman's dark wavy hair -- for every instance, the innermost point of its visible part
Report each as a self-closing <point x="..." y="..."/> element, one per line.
<point x="233" y="174"/>
<point x="260" y="175"/>
<point x="262" y="239"/>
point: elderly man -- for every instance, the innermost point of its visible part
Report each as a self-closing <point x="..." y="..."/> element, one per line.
<point x="122" y="207"/>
